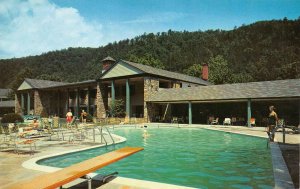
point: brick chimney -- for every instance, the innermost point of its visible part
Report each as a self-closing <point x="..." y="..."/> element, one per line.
<point x="107" y="62"/>
<point x="205" y="72"/>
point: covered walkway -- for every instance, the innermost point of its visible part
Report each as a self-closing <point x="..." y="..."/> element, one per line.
<point x="242" y="103"/>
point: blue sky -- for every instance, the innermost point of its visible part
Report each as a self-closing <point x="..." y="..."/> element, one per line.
<point x="31" y="27"/>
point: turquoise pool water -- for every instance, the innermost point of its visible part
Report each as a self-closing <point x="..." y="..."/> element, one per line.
<point x="189" y="157"/>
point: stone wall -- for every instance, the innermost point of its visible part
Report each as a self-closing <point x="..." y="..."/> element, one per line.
<point x="18" y="108"/>
<point x="101" y="100"/>
<point x="38" y="106"/>
<point x="151" y="86"/>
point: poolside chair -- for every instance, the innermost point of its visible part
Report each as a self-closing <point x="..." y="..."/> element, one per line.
<point x="215" y="121"/>
<point x="174" y="120"/>
<point x="13" y="141"/>
<point x="233" y="120"/>
<point x="56" y="129"/>
<point x="227" y="121"/>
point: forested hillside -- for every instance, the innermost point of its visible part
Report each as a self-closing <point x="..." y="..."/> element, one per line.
<point x="266" y="50"/>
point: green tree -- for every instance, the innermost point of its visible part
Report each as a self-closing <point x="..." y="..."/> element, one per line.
<point x="25" y="73"/>
<point x="117" y="109"/>
<point x="219" y="71"/>
<point x="148" y="60"/>
<point x="49" y="77"/>
<point x="194" y="70"/>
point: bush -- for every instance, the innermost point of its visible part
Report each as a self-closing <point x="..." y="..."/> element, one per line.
<point x="12" y="118"/>
<point x="117" y="109"/>
<point x="89" y="118"/>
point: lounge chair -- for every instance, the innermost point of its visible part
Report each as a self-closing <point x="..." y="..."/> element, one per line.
<point x="227" y="121"/>
<point x="215" y="121"/>
<point x="15" y="142"/>
<point x="56" y="129"/>
<point x="174" y="120"/>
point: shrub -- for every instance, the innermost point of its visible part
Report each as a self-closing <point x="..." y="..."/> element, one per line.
<point x="89" y="118"/>
<point x="117" y="109"/>
<point x="12" y="118"/>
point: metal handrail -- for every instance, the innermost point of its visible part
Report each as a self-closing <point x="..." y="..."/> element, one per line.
<point x="109" y="134"/>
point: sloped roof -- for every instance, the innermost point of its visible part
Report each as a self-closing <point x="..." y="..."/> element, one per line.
<point x="7" y="104"/>
<point x="4" y="93"/>
<point x="38" y="83"/>
<point x="252" y="90"/>
<point x="168" y="74"/>
<point x="108" y="58"/>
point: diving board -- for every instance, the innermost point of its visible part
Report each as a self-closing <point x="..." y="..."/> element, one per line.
<point x="68" y="174"/>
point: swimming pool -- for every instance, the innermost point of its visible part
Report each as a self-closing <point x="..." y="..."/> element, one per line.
<point x="190" y="157"/>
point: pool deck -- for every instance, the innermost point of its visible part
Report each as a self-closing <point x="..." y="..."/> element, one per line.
<point x="12" y="170"/>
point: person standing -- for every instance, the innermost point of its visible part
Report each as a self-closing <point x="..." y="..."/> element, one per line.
<point x="83" y="116"/>
<point x="272" y="122"/>
<point x="69" y="117"/>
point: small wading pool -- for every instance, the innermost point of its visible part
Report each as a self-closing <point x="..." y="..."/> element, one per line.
<point x="189" y="157"/>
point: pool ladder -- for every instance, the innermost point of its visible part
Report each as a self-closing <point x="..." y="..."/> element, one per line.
<point x="100" y="129"/>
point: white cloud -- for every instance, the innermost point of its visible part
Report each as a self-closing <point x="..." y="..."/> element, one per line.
<point x="35" y="26"/>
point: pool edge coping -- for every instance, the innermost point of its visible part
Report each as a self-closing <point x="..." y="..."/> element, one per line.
<point x="282" y="177"/>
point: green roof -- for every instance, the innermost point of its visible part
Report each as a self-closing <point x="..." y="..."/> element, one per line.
<point x="252" y="90"/>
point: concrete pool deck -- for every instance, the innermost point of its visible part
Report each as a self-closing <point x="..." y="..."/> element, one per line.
<point x="12" y="170"/>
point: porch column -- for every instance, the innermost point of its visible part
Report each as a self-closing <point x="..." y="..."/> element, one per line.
<point x="58" y="104"/>
<point x="113" y="97"/>
<point x="249" y="112"/>
<point x="190" y="113"/>
<point x="77" y="103"/>
<point x="68" y="101"/>
<point x="22" y="103"/>
<point x="88" y="101"/>
<point x="28" y="103"/>
<point x="127" y="99"/>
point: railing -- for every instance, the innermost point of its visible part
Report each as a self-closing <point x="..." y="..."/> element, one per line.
<point x="100" y="129"/>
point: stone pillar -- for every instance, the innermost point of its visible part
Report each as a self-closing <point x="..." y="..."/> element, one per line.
<point x="190" y="113"/>
<point x="22" y="103"/>
<point x="88" y="100"/>
<point x="101" y="100"/>
<point x="249" y="112"/>
<point x="77" y="104"/>
<point x="151" y="86"/>
<point x="127" y="100"/>
<point x="38" y="106"/>
<point x="18" y="109"/>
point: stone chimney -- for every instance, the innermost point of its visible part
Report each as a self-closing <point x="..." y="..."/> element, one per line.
<point x="107" y="62"/>
<point x="205" y="72"/>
